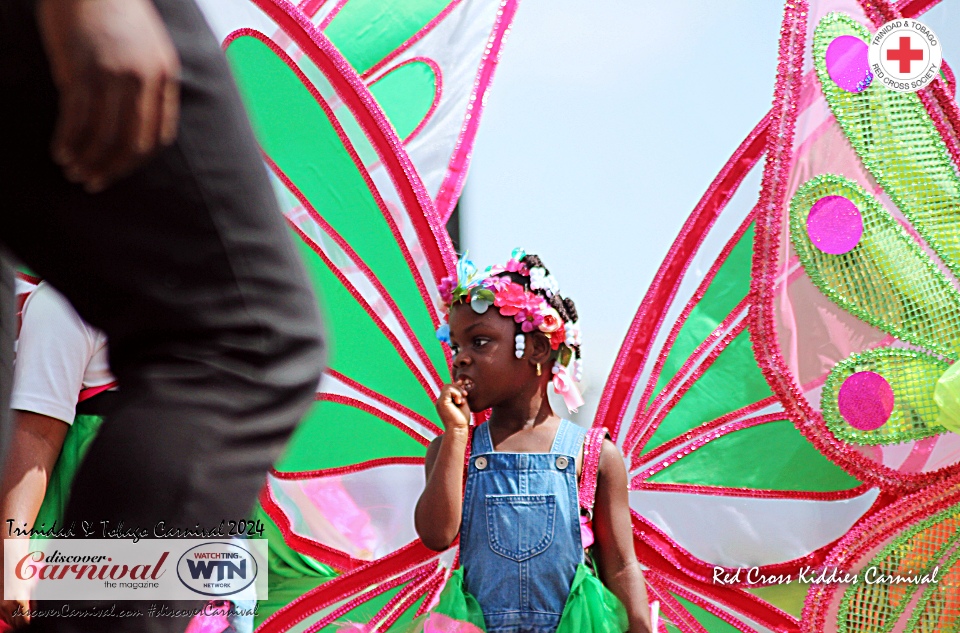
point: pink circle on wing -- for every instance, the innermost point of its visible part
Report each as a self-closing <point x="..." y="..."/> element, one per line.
<point x="865" y="400"/>
<point x="834" y="225"/>
<point x="848" y="64"/>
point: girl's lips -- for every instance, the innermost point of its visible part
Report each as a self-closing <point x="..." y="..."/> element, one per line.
<point x="466" y="384"/>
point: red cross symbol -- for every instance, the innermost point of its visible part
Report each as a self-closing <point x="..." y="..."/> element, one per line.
<point x="905" y="55"/>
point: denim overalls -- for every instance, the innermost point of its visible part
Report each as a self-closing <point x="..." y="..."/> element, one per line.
<point x="520" y="535"/>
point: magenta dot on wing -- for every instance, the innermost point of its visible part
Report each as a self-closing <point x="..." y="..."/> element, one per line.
<point x="834" y="225"/>
<point x="865" y="400"/>
<point x="847" y="63"/>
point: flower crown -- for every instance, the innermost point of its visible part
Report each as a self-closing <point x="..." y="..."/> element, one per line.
<point x="528" y="308"/>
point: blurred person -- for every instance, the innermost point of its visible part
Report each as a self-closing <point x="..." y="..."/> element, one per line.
<point x="133" y="184"/>
<point x="62" y="387"/>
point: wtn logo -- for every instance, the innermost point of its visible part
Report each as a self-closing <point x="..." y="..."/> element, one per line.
<point x="224" y="568"/>
<point x="217" y="568"/>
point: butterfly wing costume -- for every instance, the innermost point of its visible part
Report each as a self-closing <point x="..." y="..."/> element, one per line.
<point x="775" y="397"/>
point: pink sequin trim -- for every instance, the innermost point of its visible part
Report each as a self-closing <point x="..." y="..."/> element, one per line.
<point x="396" y="606"/>
<point x="416" y="37"/>
<point x="712" y="608"/>
<point x="681" y="321"/>
<point x="346" y="470"/>
<point x="619" y="388"/>
<point x="310" y="7"/>
<point x="333" y="13"/>
<point x="592" y="449"/>
<point x="752" y="493"/>
<point x="350" y="88"/>
<point x="361" y="265"/>
<point x="383" y="415"/>
<point x="457" y="171"/>
<point x="410" y="560"/>
<point x="657" y="549"/>
<point x="396" y="406"/>
<point x="913" y="8"/>
<point x="647" y="421"/>
<point x="869" y="534"/>
<point x="323" y="553"/>
<point x="664" y="578"/>
<point x="766" y="272"/>
<point x="437" y="93"/>
<point x="362" y="302"/>
<point x="350" y="605"/>
<point x="716" y="423"/>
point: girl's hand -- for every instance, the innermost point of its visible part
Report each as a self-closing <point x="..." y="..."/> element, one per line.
<point x="452" y="407"/>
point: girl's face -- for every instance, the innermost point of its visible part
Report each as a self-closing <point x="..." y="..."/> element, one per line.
<point x="483" y="348"/>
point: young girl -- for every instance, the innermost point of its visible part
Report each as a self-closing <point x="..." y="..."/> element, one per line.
<point x="515" y="505"/>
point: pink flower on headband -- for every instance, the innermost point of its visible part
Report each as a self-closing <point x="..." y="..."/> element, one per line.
<point x="531" y="316"/>
<point x="496" y="284"/>
<point x="447" y="284"/>
<point x="511" y="300"/>
<point x="513" y="266"/>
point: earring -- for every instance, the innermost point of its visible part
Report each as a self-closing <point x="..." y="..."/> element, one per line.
<point x="521" y="343"/>
<point x="538" y="369"/>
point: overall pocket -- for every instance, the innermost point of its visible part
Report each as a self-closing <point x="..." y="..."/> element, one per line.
<point x="520" y="526"/>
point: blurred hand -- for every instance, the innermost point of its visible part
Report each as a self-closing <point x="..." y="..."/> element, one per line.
<point x="118" y="76"/>
<point x="7" y="609"/>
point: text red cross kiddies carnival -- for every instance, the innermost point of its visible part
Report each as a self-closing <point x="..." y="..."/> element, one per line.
<point x="905" y="55"/>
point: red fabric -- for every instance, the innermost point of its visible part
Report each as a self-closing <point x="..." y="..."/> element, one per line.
<point x="86" y="394"/>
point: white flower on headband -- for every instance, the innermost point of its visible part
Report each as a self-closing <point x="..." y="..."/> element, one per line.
<point x="573" y="334"/>
<point x="540" y="280"/>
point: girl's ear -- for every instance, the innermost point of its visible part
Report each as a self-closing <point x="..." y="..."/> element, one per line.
<point x="541" y="350"/>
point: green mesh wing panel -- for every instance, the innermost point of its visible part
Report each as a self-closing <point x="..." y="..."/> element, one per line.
<point x="911" y="375"/>
<point x="897" y="141"/>
<point x="886" y="279"/>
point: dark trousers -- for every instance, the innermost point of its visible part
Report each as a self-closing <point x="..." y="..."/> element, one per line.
<point x="188" y="267"/>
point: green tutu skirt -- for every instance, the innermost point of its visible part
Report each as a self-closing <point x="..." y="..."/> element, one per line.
<point x="75" y="445"/>
<point x="590" y="608"/>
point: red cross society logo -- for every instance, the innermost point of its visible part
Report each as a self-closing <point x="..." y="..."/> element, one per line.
<point x="905" y="55"/>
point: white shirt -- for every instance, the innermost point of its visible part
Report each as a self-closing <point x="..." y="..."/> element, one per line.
<point x="58" y="355"/>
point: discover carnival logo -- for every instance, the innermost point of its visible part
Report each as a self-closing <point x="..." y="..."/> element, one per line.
<point x="106" y="569"/>
<point x="905" y="55"/>
<point x="217" y="569"/>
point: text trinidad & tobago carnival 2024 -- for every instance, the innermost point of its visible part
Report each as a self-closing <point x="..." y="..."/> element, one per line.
<point x="104" y="529"/>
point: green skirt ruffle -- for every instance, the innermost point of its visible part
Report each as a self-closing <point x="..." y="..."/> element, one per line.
<point x="590" y="608"/>
<point x="75" y="445"/>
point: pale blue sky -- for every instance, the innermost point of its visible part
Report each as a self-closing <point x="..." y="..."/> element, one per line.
<point x="606" y="122"/>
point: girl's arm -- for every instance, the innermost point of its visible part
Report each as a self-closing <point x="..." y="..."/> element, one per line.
<point x="613" y="531"/>
<point x="440" y="508"/>
<point x="34" y="450"/>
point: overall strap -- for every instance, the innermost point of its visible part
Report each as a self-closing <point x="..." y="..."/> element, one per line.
<point x="591" y="465"/>
<point x="569" y="438"/>
<point x="466" y="460"/>
<point x="481" y="441"/>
